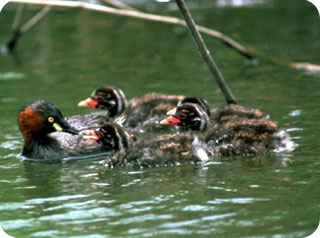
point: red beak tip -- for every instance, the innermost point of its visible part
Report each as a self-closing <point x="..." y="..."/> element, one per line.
<point x="89" y="102"/>
<point x="170" y="120"/>
<point x="90" y="135"/>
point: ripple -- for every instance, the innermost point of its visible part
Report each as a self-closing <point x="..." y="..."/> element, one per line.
<point x="135" y="172"/>
<point x="14" y="206"/>
<point x="138" y="210"/>
<point x="81" y="215"/>
<point x="136" y="231"/>
<point x="294" y="129"/>
<point x="89" y="175"/>
<point x="56" y="199"/>
<point x="135" y="181"/>
<point x="100" y="184"/>
<point x="73" y="205"/>
<point x="295" y="113"/>
<point x="217" y="217"/>
<point x="106" y="201"/>
<point x="26" y="187"/>
<point x="86" y="221"/>
<point x="179" y="224"/>
<point x="237" y="200"/>
<point x="254" y="186"/>
<point x="4" y="181"/>
<point x="136" y="203"/>
<point x="179" y="231"/>
<point x="213" y="163"/>
<point x="221" y="188"/>
<point x="11" y="145"/>
<point x="197" y="208"/>
<point x="8" y="156"/>
<point x="11" y="75"/>
<point x="18" y="223"/>
<point x="90" y="236"/>
<point x="50" y="233"/>
<point x="162" y="198"/>
<point x="141" y="219"/>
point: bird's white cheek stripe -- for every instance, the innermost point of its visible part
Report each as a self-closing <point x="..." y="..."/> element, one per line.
<point x="203" y="116"/>
<point x="120" y="100"/>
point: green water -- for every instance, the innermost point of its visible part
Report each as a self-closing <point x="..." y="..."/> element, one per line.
<point x="72" y="52"/>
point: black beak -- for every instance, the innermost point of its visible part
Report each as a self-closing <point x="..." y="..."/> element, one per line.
<point x="71" y="130"/>
<point x="66" y="127"/>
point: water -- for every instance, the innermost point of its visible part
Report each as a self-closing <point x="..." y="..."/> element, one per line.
<point x="72" y="52"/>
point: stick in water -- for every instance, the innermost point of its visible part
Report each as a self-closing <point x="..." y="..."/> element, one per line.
<point x="9" y="46"/>
<point x="18" y="31"/>
<point x="205" y="53"/>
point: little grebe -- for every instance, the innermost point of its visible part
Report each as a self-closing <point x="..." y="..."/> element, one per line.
<point x="141" y="114"/>
<point x="49" y="137"/>
<point x="236" y="131"/>
<point x="163" y="150"/>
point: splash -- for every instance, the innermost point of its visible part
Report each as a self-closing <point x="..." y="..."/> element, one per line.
<point x="316" y="3"/>
<point x="3" y="3"/>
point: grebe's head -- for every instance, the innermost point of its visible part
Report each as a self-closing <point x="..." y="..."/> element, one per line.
<point x="197" y="100"/>
<point x="41" y="118"/>
<point x="114" y="137"/>
<point x="111" y="99"/>
<point x="189" y="116"/>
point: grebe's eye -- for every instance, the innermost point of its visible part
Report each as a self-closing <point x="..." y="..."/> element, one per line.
<point x="182" y="116"/>
<point x="50" y="119"/>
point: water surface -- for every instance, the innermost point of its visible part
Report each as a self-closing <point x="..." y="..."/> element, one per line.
<point x="72" y="52"/>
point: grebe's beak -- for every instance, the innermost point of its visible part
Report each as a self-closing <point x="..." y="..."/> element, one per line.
<point x="65" y="127"/>
<point x="170" y="120"/>
<point x="89" y="102"/>
<point x="71" y="130"/>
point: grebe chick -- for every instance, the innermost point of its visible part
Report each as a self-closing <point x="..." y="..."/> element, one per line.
<point x="159" y="151"/>
<point x="140" y="114"/>
<point x="238" y="135"/>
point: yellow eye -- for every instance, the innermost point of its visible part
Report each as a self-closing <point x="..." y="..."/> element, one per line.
<point x="50" y="119"/>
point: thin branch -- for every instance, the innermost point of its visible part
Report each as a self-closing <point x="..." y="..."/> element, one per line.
<point x="10" y="44"/>
<point x="19" y="30"/>
<point x="120" y="5"/>
<point x="139" y="15"/>
<point x="18" y="18"/>
<point x="205" y="52"/>
<point x="35" y="19"/>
